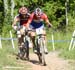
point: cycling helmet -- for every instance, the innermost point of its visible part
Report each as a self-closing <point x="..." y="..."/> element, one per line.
<point x="38" y="11"/>
<point x="23" y="10"/>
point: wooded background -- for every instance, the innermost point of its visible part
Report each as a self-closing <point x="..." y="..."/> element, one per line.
<point x="61" y="13"/>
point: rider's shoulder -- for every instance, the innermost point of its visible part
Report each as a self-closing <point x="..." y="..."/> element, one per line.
<point x="32" y="14"/>
<point x="28" y="14"/>
<point x="44" y="14"/>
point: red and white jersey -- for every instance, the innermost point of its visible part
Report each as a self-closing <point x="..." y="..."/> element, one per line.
<point x="42" y="17"/>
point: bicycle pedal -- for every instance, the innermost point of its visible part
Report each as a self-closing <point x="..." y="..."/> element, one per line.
<point x="46" y="52"/>
<point x="27" y="58"/>
<point x="43" y="64"/>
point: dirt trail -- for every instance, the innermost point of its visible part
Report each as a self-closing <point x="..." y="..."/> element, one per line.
<point x="53" y="62"/>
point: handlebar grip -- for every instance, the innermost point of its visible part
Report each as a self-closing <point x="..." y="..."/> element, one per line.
<point x="49" y="26"/>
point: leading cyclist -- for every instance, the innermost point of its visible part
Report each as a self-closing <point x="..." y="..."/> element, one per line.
<point x="23" y="19"/>
<point x="38" y="17"/>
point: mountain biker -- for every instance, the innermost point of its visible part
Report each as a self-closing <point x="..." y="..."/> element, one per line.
<point x="38" y="17"/>
<point x="22" y="19"/>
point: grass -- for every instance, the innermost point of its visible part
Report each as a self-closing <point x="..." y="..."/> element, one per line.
<point x="68" y="54"/>
<point x="61" y="42"/>
<point x="8" y="58"/>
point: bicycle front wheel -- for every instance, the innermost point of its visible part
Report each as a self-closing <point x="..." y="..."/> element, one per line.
<point x="42" y="44"/>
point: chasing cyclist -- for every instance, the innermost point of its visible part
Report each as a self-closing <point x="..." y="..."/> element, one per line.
<point x="37" y="18"/>
<point x="23" y="21"/>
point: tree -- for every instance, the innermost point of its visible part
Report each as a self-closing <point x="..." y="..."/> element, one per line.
<point x="1" y="16"/>
<point x="55" y="9"/>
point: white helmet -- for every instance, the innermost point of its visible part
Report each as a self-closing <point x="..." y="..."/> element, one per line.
<point x="38" y="11"/>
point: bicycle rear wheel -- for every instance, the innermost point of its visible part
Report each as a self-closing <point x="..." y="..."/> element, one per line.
<point x="26" y="52"/>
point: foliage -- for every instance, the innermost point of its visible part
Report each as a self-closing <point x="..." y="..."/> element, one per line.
<point x="55" y="9"/>
<point x="1" y="16"/>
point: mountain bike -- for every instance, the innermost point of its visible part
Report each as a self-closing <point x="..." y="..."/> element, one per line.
<point x="40" y="44"/>
<point x="26" y="46"/>
<point x="24" y="53"/>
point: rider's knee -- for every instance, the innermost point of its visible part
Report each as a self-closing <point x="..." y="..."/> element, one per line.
<point x="32" y="33"/>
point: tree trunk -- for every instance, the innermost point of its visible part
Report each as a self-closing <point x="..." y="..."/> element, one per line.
<point x="12" y="8"/>
<point x="5" y="7"/>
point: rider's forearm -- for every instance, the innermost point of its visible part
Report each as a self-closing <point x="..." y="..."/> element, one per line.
<point x="28" y="23"/>
<point x="14" y="25"/>
<point x="14" y="22"/>
<point x="47" y="21"/>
